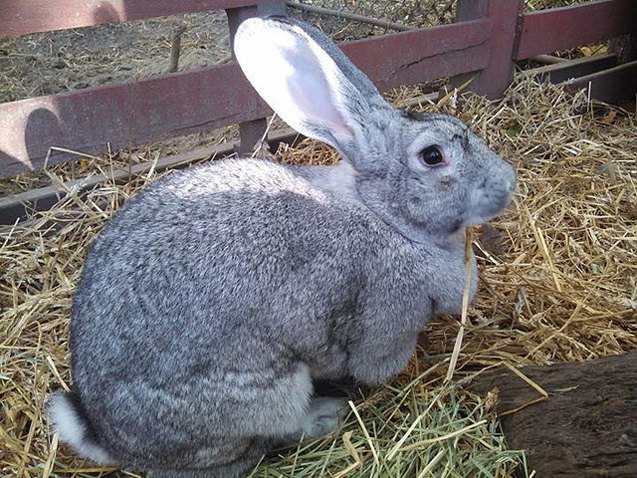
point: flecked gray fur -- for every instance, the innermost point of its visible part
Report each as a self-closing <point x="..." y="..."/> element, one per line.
<point x="213" y="299"/>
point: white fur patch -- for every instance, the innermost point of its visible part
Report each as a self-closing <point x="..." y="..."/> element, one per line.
<point x="340" y="181"/>
<point x="69" y="425"/>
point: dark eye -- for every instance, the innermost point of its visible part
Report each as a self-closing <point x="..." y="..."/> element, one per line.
<point x="432" y="155"/>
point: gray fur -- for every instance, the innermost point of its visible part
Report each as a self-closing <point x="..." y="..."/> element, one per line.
<point x="212" y="300"/>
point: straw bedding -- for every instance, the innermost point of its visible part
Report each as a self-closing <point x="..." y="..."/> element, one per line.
<point x="558" y="283"/>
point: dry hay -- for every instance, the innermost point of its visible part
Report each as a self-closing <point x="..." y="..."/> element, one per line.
<point x="558" y="283"/>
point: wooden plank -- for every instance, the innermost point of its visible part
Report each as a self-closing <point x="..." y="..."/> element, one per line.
<point x="566" y="70"/>
<point x="496" y="76"/>
<point x="122" y="115"/>
<point x="609" y="86"/>
<point x="18" y="206"/>
<point x="20" y="17"/>
<point x="585" y="428"/>
<point x="547" y="31"/>
<point x="250" y="131"/>
<point x="422" y="55"/>
<point x="200" y="100"/>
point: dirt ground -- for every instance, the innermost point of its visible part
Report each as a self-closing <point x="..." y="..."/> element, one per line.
<point x="66" y="60"/>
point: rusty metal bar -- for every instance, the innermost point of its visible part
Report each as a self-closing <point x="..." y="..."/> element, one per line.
<point x="304" y="7"/>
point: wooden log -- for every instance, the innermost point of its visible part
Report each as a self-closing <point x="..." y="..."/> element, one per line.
<point x="585" y="428"/>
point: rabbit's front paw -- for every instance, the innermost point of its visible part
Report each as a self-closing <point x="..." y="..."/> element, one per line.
<point x="323" y="416"/>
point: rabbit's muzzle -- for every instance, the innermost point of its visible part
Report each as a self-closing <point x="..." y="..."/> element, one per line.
<point x="493" y="194"/>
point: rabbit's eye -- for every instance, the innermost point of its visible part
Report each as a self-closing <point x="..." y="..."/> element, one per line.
<point x="432" y="155"/>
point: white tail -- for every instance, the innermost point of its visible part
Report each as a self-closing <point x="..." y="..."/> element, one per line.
<point x="71" y="426"/>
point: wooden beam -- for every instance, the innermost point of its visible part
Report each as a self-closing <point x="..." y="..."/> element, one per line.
<point x="412" y="57"/>
<point x="570" y="69"/>
<point x="585" y="428"/>
<point x="556" y="29"/>
<point x="18" y="206"/>
<point x="495" y="77"/>
<point x="20" y="17"/>
<point x="200" y="100"/>
<point x="609" y="86"/>
<point x="250" y="132"/>
<point x="123" y="115"/>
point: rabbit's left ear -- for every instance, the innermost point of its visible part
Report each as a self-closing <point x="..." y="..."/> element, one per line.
<point x="305" y="78"/>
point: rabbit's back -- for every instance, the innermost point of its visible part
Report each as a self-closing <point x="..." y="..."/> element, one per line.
<point x="212" y="282"/>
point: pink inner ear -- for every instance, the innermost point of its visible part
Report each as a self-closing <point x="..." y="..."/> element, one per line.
<point x="314" y="99"/>
<point x="299" y="80"/>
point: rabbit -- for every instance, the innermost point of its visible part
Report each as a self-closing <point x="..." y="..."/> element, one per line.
<point x="214" y="300"/>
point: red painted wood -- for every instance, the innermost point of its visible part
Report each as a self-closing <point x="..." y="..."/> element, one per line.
<point x="546" y="31"/>
<point x="133" y="113"/>
<point x="200" y="100"/>
<point x="19" y="205"/>
<point x="20" y="17"/>
<point x="503" y="15"/>
<point x="421" y="55"/>
<point x="250" y="132"/>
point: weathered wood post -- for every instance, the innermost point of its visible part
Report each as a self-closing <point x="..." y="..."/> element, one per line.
<point x="250" y="132"/>
<point x="504" y="17"/>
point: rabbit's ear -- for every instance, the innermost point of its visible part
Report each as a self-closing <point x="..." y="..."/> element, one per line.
<point x="305" y="78"/>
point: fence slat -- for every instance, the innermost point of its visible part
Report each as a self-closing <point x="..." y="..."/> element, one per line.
<point x="610" y="85"/>
<point x="417" y="56"/>
<point x="566" y="70"/>
<point x="20" y="17"/>
<point x="503" y="14"/>
<point x="546" y="31"/>
<point x="128" y="114"/>
<point x="19" y="205"/>
<point x="200" y="100"/>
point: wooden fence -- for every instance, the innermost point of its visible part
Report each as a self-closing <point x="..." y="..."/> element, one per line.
<point x="486" y="40"/>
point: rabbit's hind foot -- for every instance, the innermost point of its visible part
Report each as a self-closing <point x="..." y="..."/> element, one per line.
<point x="322" y="418"/>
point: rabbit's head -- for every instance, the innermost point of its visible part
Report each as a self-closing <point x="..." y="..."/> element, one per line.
<point x="427" y="175"/>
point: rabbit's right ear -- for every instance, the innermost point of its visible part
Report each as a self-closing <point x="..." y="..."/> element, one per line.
<point x="306" y="79"/>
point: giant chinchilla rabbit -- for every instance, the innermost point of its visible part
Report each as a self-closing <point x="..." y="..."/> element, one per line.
<point x="212" y="301"/>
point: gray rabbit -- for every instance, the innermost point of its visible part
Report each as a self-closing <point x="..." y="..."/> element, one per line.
<point x="213" y="300"/>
